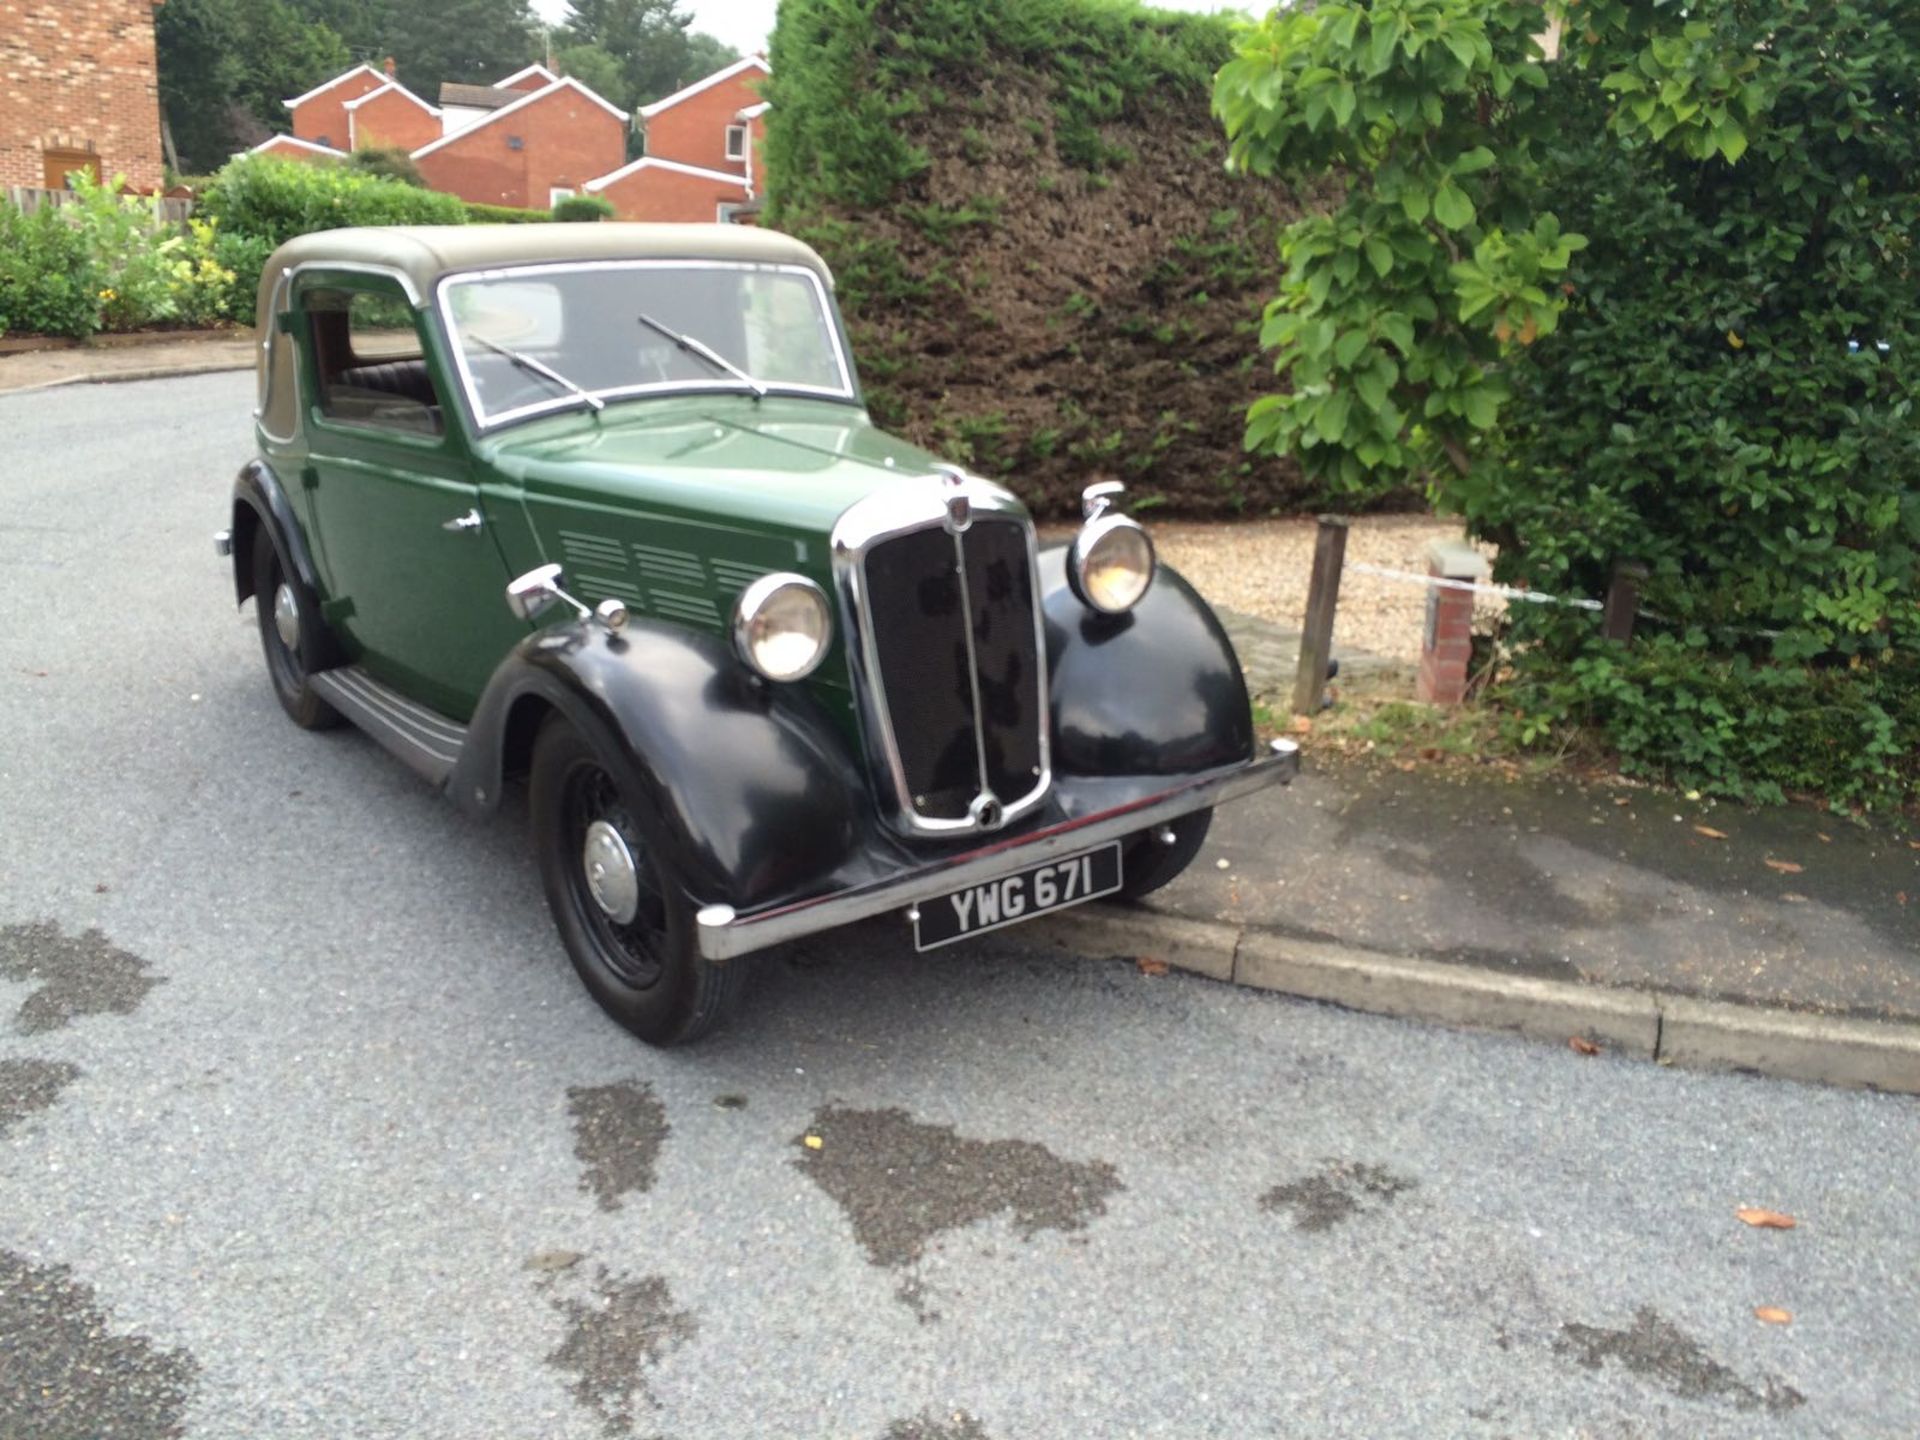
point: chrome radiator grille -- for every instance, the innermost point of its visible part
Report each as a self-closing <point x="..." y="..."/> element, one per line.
<point x="954" y="682"/>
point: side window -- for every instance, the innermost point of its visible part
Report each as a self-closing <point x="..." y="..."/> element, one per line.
<point x="367" y="355"/>
<point x="736" y="142"/>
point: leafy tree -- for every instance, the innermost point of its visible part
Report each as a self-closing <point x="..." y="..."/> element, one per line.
<point x="1716" y="382"/>
<point x="598" y="71"/>
<point x="227" y="66"/>
<point x="473" y="42"/>
<point x="651" y="41"/>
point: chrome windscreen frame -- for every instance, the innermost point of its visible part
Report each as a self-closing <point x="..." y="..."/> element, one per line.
<point x="484" y="421"/>
<point x="887" y="514"/>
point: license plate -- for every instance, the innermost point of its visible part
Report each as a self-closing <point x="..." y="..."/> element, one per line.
<point x="1036" y="890"/>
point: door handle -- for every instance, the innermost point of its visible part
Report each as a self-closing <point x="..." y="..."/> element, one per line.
<point x="470" y="521"/>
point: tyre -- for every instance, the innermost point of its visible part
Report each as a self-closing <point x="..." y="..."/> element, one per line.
<point x="621" y="911"/>
<point x="290" y="634"/>
<point x="1149" y="861"/>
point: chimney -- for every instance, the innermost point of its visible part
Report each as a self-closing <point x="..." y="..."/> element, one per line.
<point x="389" y="67"/>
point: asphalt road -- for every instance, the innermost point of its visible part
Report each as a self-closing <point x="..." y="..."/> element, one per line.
<point x="306" y="1129"/>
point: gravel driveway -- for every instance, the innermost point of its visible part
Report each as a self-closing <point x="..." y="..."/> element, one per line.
<point x="306" y="1129"/>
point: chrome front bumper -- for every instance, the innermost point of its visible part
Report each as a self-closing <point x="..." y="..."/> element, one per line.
<point x="725" y="933"/>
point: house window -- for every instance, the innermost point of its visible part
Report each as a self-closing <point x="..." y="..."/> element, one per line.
<point x="326" y="140"/>
<point x="736" y="142"/>
<point x="558" y="193"/>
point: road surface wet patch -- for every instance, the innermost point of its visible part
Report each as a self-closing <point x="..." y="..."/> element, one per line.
<point x="958" y="1426"/>
<point x="615" y="1336"/>
<point x="617" y="1133"/>
<point x="65" y="1376"/>
<point x="901" y="1182"/>
<point x="28" y="1086"/>
<point x="76" y="975"/>
<point x="1656" y="1349"/>
<point x="1341" y="1191"/>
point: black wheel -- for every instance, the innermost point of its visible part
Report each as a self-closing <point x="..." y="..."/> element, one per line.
<point x="1149" y="861"/>
<point x="289" y="635"/>
<point x="625" y="919"/>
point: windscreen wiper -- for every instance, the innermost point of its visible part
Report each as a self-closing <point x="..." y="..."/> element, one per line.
<point x="708" y="354"/>
<point x="544" y="371"/>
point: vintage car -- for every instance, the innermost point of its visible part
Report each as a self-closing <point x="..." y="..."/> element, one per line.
<point x="599" y="507"/>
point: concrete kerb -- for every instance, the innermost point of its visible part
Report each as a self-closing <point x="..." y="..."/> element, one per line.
<point x="1669" y="1029"/>
<point x="110" y="377"/>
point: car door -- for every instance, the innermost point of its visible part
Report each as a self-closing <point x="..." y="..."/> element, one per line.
<point x="415" y="580"/>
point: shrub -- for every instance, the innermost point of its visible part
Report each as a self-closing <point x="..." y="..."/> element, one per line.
<point x="584" y="207"/>
<point x="478" y="214"/>
<point x="279" y="199"/>
<point x="1717" y="382"/>
<point x="48" y="284"/>
<point x="389" y="162"/>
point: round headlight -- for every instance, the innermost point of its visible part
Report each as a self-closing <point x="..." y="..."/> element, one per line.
<point x="782" y="626"/>
<point x="1111" y="564"/>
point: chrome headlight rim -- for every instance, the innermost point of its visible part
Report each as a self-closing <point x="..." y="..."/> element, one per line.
<point x="753" y="604"/>
<point x="1080" y="555"/>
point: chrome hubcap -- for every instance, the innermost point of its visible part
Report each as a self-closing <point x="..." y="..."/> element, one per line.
<point x="286" y="616"/>
<point x="612" y="878"/>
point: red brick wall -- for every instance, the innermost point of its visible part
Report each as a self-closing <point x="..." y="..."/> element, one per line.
<point x="694" y="132"/>
<point x="392" y="119"/>
<point x="323" y="119"/>
<point x="535" y="81"/>
<point x="658" y="194"/>
<point x="79" y="75"/>
<point x="566" y="140"/>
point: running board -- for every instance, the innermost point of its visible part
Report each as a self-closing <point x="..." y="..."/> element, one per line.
<point x="419" y="738"/>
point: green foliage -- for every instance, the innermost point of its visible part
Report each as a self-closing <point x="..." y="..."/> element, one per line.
<point x="48" y="285"/>
<point x="1397" y="308"/>
<point x="478" y="214"/>
<point x="226" y="66"/>
<point x="1718" y="384"/>
<point x="389" y="162"/>
<point x="644" y="49"/>
<point x="105" y="262"/>
<point x="584" y="207"/>
<point x="272" y="201"/>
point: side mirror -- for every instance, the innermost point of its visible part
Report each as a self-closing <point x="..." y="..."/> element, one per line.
<point x="535" y="592"/>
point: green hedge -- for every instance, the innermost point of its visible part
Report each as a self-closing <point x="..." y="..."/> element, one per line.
<point x="271" y="201"/>
<point x="1046" y="268"/>
<point x="478" y="214"/>
<point x="584" y="208"/>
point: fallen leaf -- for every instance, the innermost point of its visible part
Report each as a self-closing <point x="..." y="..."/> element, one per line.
<point x="1580" y="1045"/>
<point x="1794" y="898"/>
<point x="101" y="888"/>
<point x="1147" y="965"/>
<point x="813" y="1142"/>
<point x="1825" y="839"/>
<point x="1913" y="844"/>
<point x="1300" y="724"/>
<point x="1429" y="752"/>
<point x="1772" y="1315"/>
<point x="1785" y="867"/>
<point x="1764" y="1219"/>
<point x="1901" y="896"/>
<point x="1623" y="800"/>
<point x="1710" y="832"/>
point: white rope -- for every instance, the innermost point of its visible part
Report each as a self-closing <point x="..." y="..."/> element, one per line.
<point x="1504" y="592"/>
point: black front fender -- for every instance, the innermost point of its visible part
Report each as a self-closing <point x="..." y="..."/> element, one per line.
<point x="1156" y="691"/>
<point x="752" y="782"/>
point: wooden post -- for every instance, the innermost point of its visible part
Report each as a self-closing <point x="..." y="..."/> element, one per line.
<point x="1623" y="601"/>
<point x="1323" y="596"/>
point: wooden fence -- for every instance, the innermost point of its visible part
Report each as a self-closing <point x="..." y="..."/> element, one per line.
<point x="29" y="198"/>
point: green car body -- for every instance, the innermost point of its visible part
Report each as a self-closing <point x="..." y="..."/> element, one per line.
<point x="412" y="463"/>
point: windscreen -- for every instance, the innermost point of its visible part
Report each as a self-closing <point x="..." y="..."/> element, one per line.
<point x="543" y="338"/>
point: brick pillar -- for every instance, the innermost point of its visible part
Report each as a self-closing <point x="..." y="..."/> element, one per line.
<point x="1449" y="637"/>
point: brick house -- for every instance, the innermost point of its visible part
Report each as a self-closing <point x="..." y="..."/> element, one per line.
<point x="535" y="137"/>
<point x="702" y="140"/>
<point x="537" y="149"/>
<point x="79" y="90"/>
